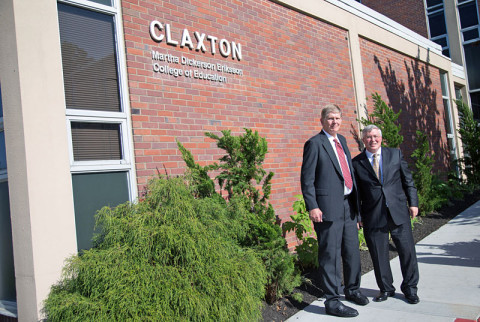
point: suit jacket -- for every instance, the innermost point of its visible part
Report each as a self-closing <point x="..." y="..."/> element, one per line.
<point x="397" y="191"/>
<point x="322" y="179"/>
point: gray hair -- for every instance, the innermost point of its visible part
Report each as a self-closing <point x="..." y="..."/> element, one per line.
<point x="369" y="128"/>
<point x="330" y="108"/>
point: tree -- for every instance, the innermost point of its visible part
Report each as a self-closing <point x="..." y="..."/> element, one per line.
<point x="241" y="172"/>
<point x="386" y="119"/>
<point x="469" y="130"/>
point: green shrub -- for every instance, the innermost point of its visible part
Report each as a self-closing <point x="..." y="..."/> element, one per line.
<point x="386" y="119"/>
<point x="469" y="130"/>
<point x="307" y="247"/>
<point x="362" y="243"/>
<point x="171" y="257"/>
<point x="426" y="181"/>
<point x="240" y="172"/>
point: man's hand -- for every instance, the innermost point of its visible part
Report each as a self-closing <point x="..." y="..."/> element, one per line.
<point x="315" y="215"/>
<point x="413" y="212"/>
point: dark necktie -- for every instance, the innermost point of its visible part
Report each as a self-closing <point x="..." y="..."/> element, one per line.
<point x="343" y="163"/>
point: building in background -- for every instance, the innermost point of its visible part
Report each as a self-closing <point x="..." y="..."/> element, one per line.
<point x="453" y="24"/>
<point x="95" y="93"/>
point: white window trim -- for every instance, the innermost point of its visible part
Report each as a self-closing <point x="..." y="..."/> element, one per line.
<point x="123" y="137"/>
<point x="446" y="98"/>
<point x="93" y="5"/>
<point x="123" y="118"/>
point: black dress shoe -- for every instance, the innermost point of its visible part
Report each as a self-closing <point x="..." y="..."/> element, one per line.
<point x="412" y="298"/>
<point x="342" y="311"/>
<point x="357" y="298"/>
<point x="383" y="296"/>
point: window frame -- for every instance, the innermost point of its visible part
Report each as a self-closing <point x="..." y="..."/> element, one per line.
<point x="477" y="26"/>
<point x="123" y="117"/>
<point x="100" y="165"/>
<point x="3" y="172"/>
<point x="433" y="10"/>
<point x="447" y="101"/>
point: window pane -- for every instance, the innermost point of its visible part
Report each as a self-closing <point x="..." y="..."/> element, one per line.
<point x="437" y="24"/>
<point x="7" y="273"/>
<point x="431" y="3"/>
<point x="470" y="34"/>
<point x="443" y="83"/>
<point x="446" y="52"/>
<point x="448" y="116"/>
<point x="96" y="141"/>
<point x="105" y="2"/>
<point x="458" y="93"/>
<point x="1" y="106"/>
<point x="89" y="59"/>
<point x="468" y="15"/>
<point x="475" y="98"/>
<point x="3" y="153"/>
<point x="441" y="41"/>
<point x="472" y="54"/>
<point x="91" y="192"/>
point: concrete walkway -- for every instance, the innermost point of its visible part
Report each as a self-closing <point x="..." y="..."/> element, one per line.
<point x="449" y="287"/>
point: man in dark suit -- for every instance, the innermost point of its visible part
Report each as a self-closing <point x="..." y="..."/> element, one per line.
<point x="388" y="198"/>
<point x="329" y="191"/>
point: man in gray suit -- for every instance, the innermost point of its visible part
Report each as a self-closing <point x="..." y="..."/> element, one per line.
<point x="329" y="191"/>
<point x="388" y="198"/>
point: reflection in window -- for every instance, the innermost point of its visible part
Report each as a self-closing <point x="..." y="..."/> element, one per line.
<point x="1" y="106"/>
<point x="89" y="59"/>
<point x="437" y="26"/>
<point x="91" y="192"/>
<point x="96" y="141"/>
<point x="475" y="98"/>
<point x="3" y="154"/>
<point x="468" y="14"/>
<point x="472" y="54"/>
<point x="104" y="2"/>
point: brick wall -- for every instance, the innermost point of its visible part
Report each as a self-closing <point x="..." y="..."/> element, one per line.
<point x="412" y="87"/>
<point x="292" y="66"/>
<point x="410" y="13"/>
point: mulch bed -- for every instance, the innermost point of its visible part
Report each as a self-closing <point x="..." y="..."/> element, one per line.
<point x="286" y="307"/>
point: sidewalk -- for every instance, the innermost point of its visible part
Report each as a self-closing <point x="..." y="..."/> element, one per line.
<point x="449" y="287"/>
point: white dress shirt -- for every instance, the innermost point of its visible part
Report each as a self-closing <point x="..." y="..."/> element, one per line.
<point x="379" y="158"/>
<point x="346" y="191"/>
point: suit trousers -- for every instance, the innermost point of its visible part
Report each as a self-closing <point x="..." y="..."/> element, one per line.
<point x="338" y="240"/>
<point x="378" y="245"/>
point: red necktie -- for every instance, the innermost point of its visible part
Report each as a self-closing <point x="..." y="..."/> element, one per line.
<point x="343" y="163"/>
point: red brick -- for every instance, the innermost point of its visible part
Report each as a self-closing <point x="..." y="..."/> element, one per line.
<point x="292" y="64"/>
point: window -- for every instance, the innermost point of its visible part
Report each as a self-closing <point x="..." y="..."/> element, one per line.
<point x="3" y="153"/>
<point x="97" y="110"/>
<point x="468" y="13"/>
<point x="89" y="59"/>
<point x="475" y="99"/>
<point x="437" y="26"/>
<point x="96" y="141"/>
<point x="469" y="22"/>
<point x="449" y="124"/>
<point x="7" y="270"/>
